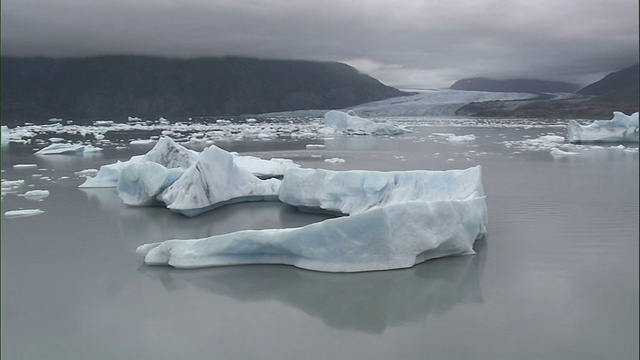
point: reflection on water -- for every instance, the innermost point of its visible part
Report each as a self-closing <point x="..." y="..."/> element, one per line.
<point x="153" y="224"/>
<point x="367" y="301"/>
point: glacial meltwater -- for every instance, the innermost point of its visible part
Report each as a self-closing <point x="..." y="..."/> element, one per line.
<point x="556" y="277"/>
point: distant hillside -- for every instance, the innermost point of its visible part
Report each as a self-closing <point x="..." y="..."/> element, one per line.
<point x="621" y="85"/>
<point x="120" y="86"/>
<point x="514" y="85"/>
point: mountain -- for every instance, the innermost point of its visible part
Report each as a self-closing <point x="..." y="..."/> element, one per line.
<point x="514" y="85"/>
<point x="119" y="86"/>
<point x="621" y="85"/>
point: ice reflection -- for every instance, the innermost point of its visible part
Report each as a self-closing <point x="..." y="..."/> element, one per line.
<point x="152" y="224"/>
<point x="367" y="302"/>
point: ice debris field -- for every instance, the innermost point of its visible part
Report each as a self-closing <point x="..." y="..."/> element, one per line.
<point x="387" y="219"/>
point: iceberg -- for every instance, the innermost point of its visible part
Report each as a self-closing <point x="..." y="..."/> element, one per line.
<point x="215" y="180"/>
<point x="387" y="237"/>
<point x="396" y="220"/>
<point x="621" y="128"/>
<point x="108" y="175"/>
<point x="349" y="123"/>
<point x="264" y="169"/>
<point x="140" y="183"/>
<point x="356" y="191"/>
<point x="166" y="152"/>
<point x="67" y="149"/>
<point x="170" y="154"/>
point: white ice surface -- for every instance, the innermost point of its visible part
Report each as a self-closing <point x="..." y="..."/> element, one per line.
<point x="22" y="213"/>
<point x="170" y="154"/>
<point x="67" y="149"/>
<point x="36" y="195"/>
<point x="4" y="131"/>
<point x="387" y="237"/>
<point x="108" y="175"/>
<point x="356" y="191"/>
<point x="349" y="123"/>
<point x="433" y="103"/>
<point x="274" y="167"/>
<point x="215" y="180"/>
<point x="140" y="183"/>
<point x="397" y="219"/>
<point x="621" y="128"/>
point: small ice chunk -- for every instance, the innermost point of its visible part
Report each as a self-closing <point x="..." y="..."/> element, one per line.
<point x="22" y="213"/>
<point x="314" y="146"/>
<point x="36" y="195"/>
<point x="142" y="142"/>
<point x="555" y="152"/>
<point x="24" y="166"/>
<point x="335" y="160"/>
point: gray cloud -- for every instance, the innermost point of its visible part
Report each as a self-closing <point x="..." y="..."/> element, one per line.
<point x="411" y="43"/>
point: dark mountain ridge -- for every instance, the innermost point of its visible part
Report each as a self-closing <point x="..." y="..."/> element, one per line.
<point x="119" y="86"/>
<point x="621" y="85"/>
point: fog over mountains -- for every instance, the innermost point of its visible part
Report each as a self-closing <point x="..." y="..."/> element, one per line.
<point x="115" y="87"/>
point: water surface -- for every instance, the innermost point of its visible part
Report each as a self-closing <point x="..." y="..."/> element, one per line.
<point x="556" y="277"/>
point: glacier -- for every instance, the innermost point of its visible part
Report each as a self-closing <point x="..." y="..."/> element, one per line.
<point x="621" y="128"/>
<point x="396" y="220"/>
<point x="336" y="121"/>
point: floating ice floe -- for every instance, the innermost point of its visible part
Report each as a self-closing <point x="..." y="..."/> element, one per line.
<point x="24" y="166"/>
<point x="36" y="195"/>
<point x="453" y="137"/>
<point x="22" y="213"/>
<point x="215" y="180"/>
<point x="349" y="123"/>
<point x="555" y="152"/>
<point x="621" y="128"/>
<point x="335" y="160"/>
<point x="4" y="131"/>
<point x="67" y="149"/>
<point x="396" y="220"/>
<point x="274" y="167"/>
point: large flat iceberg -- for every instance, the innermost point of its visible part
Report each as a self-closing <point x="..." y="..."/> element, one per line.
<point x="622" y="128"/>
<point x="349" y="123"/>
<point x="396" y="220"/>
<point x="356" y="191"/>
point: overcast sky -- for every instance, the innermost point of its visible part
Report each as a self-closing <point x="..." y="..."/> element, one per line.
<point x="406" y="43"/>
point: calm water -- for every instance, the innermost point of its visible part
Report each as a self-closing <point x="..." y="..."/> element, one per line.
<point x="556" y="278"/>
